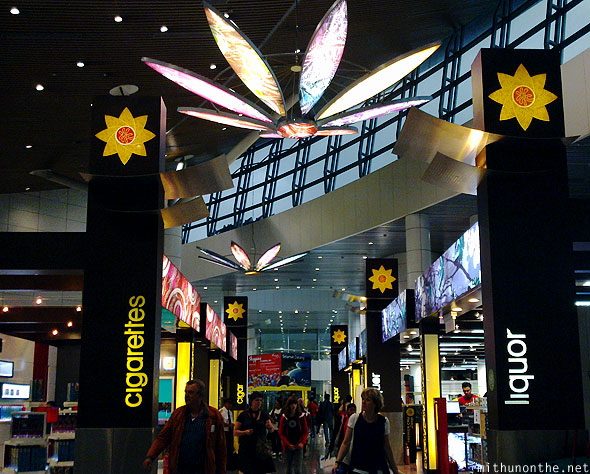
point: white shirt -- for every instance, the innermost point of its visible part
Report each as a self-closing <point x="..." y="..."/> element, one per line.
<point x="227" y="417"/>
<point x="353" y="418"/>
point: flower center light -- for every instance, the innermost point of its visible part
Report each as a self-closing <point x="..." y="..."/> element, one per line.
<point x="125" y="135"/>
<point x="523" y="96"/>
<point x="297" y="129"/>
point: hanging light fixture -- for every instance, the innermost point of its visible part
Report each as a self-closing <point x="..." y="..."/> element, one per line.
<point x="320" y="62"/>
<point x="244" y="264"/>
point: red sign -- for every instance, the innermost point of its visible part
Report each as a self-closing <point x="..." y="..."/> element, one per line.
<point x="179" y="297"/>
<point x="264" y="370"/>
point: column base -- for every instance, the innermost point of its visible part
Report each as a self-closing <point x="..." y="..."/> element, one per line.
<point x="534" y="446"/>
<point x="111" y="450"/>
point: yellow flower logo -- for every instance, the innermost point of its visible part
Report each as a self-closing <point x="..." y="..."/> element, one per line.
<point x="523" y="97"/>
<point x="382" y="279"/>
<point x="235" y="311"/>
<point x="339" y="336"/>
<point x="125" y="135"/>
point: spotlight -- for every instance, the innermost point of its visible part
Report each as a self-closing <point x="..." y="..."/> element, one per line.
<point x="78" y="308"/>
<point x="70" y="324"/>
<point x="163" y="28"/>
<point x="5" y="309"/>
<point x="55" y="332"/>
<point x="39" y="300"/>
<point x="118" y="19"/>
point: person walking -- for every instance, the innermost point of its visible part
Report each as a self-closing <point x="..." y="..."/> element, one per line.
<point x="366" y="447"/>
<point x="228" y="428"/>
<point x="254" y="455"/>
<point x="312" y="408"/>
<point x="275" y="418"/>
<point x="326" y="414"/>
<point x="293" y="431"/>
<point x="194" y="436"/>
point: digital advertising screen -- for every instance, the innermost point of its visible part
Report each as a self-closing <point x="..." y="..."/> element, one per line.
<point x="363" y="344"/>
<point x="215" y="329"/>
<point x="296" y="370"/>
<point x="352" y="356"/>
<point x="16" y="391"/>
<point x="264" y="370"/>
<point x="233" y="346"/>
<point x="455" y="273"/>
<point x="179" y="297"/>
<point x="6" y="368"/>
<point x="342" y="359"/>
<point x="394" y="317"/>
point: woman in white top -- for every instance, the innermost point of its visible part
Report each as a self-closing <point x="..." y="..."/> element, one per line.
<point x="366" y="442"/>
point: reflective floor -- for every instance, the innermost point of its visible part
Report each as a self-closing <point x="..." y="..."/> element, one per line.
<point x="315" y="463"/>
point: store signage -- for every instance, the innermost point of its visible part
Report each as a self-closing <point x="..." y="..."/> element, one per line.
<point x="336" y="395"/>
<point x="241" y="394"/>
<point x="376" y="380"/>
<point x="135" y="378"/>
<point x="518" y="379"/>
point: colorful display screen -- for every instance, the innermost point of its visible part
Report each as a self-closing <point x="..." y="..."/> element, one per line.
<point x="394" y="317"/>
<point x="352" y="350"/>
<point x="264" y="370"/>
<point x="279" y="370"/>
<point x="16" y="391"/>
<point x="363" y="344"/>
<point x="233" y="346"/>
<point x="179" y="297"/>
<point x="6" y="368"/>
<point x="456" y="272"/>
<point x="296" y="370"/>
<point x="342" y="359"/>
<point x="215" y="329"/>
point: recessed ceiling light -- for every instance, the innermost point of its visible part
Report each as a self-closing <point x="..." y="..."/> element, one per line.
<point x="298" y="287"/>
<point x="212" y="66"/>
<point x="370" y="243"/>
<point x="27" y="189"/>
<point x="253" y="289"/>
<point x="28" y="147"/>
<point x="39" y="300"/>
<point x="70" y="324"/>
<point x="457" y="309"/>
<point x="364" y="257"/>
<point x="319" y="256"/>
<point x="118" y="19"/>
<point x="204" y="288"/>
<point x="215" y="301"/>
<point x="473" y="300"/>
<point x="343" y="289"/>
<point x="315" y="279"/>
<point x="14" y="11"/>
<point x="280" y="312"/>
<point x="277" y="287"/>
<point x="5" y="309"/>
<point x="317" y="269"/>
<point x="226" y="15"/>
<point x="276" y="279"/>
<point x="413" y="332"/>
<point x="296" y="311"/>
<point x="80" y="64"/>
<point x="39" y="87"/>
<point x="406" y="337"/>
<point x="55" y="332"/>
<point x="586" y="283"/>
<point x="224" y="128"/>
<point x="163" y="28"/>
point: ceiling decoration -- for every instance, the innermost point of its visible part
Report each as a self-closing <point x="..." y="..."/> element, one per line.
<point x="320" y="63"/>
<point x="244" y="264"/>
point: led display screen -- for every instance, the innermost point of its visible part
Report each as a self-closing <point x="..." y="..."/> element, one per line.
<point x="233" y="346"/>
<point x="215" y="329"/>
<point x="352" y="350"/>
<point x="342" y="359"/>
<point x="16" y="391"/>
<point x="6" y="368"/>
<point x="179" y="297"/>
<point x="394" y="317"/>
<point x="455" y="273"/>
<point x="363" y="344"/>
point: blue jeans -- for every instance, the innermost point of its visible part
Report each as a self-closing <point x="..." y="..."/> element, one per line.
<point x="294" y="460"/>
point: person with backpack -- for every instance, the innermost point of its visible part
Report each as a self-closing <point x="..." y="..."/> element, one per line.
<point x="293" y="431"/>
<point x="366" y="447"/>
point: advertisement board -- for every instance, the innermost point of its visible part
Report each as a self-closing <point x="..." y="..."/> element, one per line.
<point x="455" y="273"/>
<point x="233" y="346"/>
<point x="264" y="370"/>
<point x="342" y="359"/>
<point x="179" y="297"/>
<point x="215" y="330"/>
<point x="295" y="370"/>
<point x="352" y="345"/>
<point x="394" y="318"/>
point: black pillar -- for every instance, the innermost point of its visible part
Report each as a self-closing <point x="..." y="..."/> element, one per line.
<point x="122" y="286"/>
<point x="530" y="321"/>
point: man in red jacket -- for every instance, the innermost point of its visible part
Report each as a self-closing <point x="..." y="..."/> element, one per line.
<point x="194" y="436"/>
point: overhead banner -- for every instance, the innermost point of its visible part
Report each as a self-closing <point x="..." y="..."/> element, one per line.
<point x="179" y="296"/>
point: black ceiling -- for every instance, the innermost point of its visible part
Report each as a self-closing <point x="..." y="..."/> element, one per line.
<point x="43" y="43"/>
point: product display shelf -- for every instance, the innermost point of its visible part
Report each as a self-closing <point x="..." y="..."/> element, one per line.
<point x="476" y="439"/>
<point x="25" y="455"/>
<point x="61" y="442"/>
